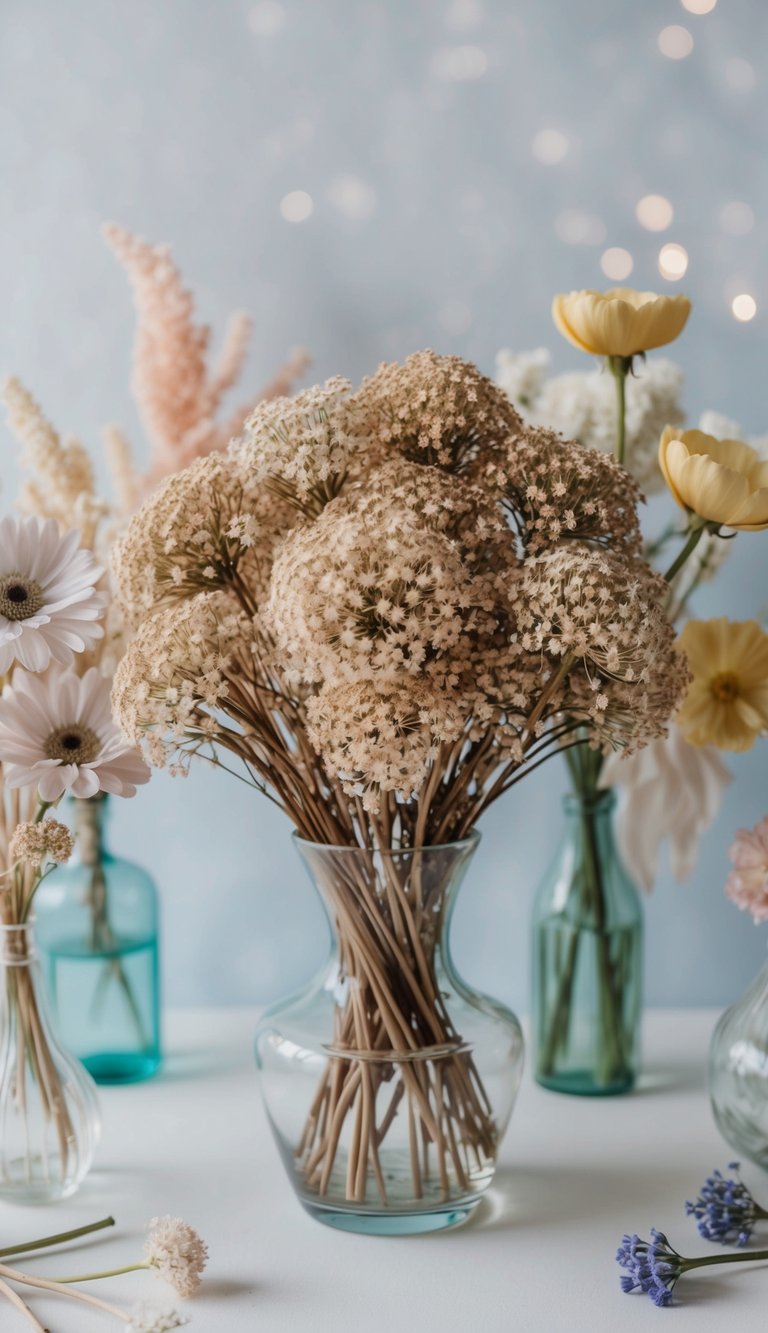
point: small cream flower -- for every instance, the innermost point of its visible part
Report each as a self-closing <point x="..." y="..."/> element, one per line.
<point x="35" y="843"/>
<point x="620" y="322"/>
<point x="723" y="481"/>
<point x="727" y="701"/>
<point x="177" y="1252"/>
<point x="146" y="1319"/>
<point x="747" y="884"/>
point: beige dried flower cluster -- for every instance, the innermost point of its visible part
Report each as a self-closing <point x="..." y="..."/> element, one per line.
<point x="178" y="1253"/>
<point x="305" y="447"/>
<point x="35" y="843"/>
<point x="442" y="597"/>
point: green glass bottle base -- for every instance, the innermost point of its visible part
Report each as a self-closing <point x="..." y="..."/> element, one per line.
<point x="122" y="1066"/>
<point x="391" y="1224"/>
<point x="581" y="1083"/>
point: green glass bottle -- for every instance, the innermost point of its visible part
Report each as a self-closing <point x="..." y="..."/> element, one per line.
<point x="98" y="934"/>
<point x="587" y="959"/>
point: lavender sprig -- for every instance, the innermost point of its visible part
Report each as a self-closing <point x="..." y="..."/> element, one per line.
<point x="726" y="1210"/>
<point x="655" y="1267"/>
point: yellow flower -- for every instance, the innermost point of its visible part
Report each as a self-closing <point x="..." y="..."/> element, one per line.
<point x="621" y="322"/>
<point x="727" y="701"/>
<point x="723" y="481"/>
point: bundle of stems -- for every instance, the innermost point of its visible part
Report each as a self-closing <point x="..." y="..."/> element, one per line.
<point x="26" y="1041"/>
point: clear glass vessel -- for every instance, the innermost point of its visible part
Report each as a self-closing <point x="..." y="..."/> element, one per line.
<point x="587" y="959"/>
<point x="389" y="1082"/>
<point x="738" y="1073"/>
<point x="49" y="1113"/>
<point x="98" y="934"/>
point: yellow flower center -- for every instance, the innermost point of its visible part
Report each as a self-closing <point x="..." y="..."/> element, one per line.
<point x="725" y="687"/>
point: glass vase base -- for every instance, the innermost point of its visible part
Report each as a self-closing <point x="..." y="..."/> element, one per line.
<point x="392" y="1223"/>
<point x="32" y="1182"/>
<point x="581" y="1083"/>
<point x="121" y="1067"/>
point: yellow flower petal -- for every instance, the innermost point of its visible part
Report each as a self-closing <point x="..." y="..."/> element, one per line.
<point x="620" y="322"/>
<point x="713" y="492"/>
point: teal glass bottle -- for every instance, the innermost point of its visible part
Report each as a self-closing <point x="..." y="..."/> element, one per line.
<point x="587" y="959"/>
<point x="97" y="923"/>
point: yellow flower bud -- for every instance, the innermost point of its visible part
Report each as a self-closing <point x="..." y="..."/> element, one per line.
<point x="727" y="700"/>
<point x="723" y="481"/>
<point x="621" y="322"/>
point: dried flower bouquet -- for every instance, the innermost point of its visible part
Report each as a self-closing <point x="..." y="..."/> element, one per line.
<point x="388" y="606"/>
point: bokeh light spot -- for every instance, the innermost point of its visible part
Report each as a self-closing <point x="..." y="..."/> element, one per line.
<point x="673" y="261"/>
<point x="675" y="42"/>
<point x="616" y="263"/>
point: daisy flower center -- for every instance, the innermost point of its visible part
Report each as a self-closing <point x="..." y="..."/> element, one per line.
<point x="20" y="597"/>
<point x="73" y="744"/>
<point x="725" y="687"/>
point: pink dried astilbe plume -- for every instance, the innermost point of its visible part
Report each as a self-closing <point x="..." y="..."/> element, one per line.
<point x="178" y="394"/>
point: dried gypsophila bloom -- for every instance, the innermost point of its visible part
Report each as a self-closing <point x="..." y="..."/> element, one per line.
<point x="35" y="843"/>
<point x="306" y="446"/>
<point x="606" y="611"/>
<point x="172" y="680"/>
<point x="178" y="1253"/>
<point x="437" y="410"/>
<point x="555" y="489"/>
<point x="350" y="600"/>
<point x="382" y="737"/>
<point x="199" y="531"/>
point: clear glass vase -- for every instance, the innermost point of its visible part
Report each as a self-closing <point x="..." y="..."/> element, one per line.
<point x="49" y="1112"/>
<point x="738" y="1073"/>
<point x="389" y="1082"/>
<point x="98" y="935"/>
<point x="587" y="959"/>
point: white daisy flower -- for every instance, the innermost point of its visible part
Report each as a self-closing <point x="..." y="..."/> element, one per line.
<point x="49" y="605"/>
<point x="57" y="731"/>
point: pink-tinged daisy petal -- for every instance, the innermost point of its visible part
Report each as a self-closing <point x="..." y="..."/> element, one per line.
<point x="47" y="584"/>
<point x="57" y="732"/>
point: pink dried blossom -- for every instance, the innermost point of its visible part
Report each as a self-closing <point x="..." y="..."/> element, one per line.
<point x="747" y="884"/>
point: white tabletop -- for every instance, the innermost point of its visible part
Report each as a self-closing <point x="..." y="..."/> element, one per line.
<point x="538" y="1257"/>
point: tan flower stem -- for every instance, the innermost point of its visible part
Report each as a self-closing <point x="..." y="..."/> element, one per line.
<point x="60" y="1288"/>
<point x="387" y="951"/>
<point x="60" y="1238"/>
<point x="21" y="1305"/>
<point x="107" y="1272"/>
<point x="620" y="367"/>
<point x="694" y="536"/>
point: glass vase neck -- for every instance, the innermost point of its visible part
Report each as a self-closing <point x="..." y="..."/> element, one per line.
<point x="89" y="819"/>
<point x="18" y="946"/>
<point x="576" y="804"/>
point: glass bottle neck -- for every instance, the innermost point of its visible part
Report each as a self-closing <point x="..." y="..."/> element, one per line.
<point x="18" y="946"/>
<point x="89" y="819"/>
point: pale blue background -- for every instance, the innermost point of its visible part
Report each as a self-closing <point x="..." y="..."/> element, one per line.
<point x="189" y="120"/>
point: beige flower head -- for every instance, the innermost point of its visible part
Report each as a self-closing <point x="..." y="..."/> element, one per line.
<point x="352" y="599"/>
<point x="556" y="490"/>
<point x="172" y="680"/>
<point x="437" y="410"/>
<point x="621" y="322"/>
<point x="306" y="447"/>
<point x="722" y="481"/>
<point x="198" y="532"/>
<point x="747" y="884"/>
<point x="606" y="613"/>
<point x="178" y="1253"/>
<point x="378" y="738"/>
<point x="36" y="843"/>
